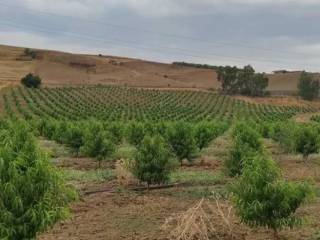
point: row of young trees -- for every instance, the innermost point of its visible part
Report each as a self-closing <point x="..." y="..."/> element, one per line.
<point x="99" y="139"/>
<point x="261" y="196"/>
<point x="79" y="103"/>
<point x="298" y="138"/>
<point x="33" y="195"/>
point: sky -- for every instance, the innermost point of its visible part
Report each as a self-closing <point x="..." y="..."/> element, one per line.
<point x="267" y="34"/>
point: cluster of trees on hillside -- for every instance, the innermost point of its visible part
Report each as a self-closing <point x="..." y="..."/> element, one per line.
<point x="236" y="80"/>
<point x="242" y="81"/>
<point x="308" y="86"/>
<point x="197" y="65"/>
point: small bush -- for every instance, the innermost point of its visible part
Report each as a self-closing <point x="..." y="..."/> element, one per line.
<point x="30" y="53"/>
<point x="153" y="161"/>
<point x="31" y="81"/>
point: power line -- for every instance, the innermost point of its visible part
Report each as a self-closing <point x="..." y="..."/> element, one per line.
<point x="117" y="42"/>
<point x="148" y="31"/>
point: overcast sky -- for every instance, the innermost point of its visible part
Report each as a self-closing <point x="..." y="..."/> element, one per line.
<point x="268" y="34"/>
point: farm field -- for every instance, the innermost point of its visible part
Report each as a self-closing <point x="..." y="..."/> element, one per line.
<point x="125" y="104"/>
<point x="69" y="122"/>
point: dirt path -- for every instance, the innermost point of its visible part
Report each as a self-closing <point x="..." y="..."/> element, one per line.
<point x="304" y="117"/>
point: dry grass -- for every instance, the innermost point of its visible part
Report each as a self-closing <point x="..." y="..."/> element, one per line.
<point x="124" y="176"/>
<point x="204" y="221"/>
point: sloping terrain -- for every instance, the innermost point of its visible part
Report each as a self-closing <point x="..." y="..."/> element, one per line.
<point x="59" y="68"/>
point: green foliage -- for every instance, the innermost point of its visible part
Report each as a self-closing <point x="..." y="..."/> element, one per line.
<point x="246" y="144"/>
<point x="98" y="145"/>
<point x="205" y="132"/>
<point x="286" y="134"/>
<point x="135" y="133"/>
<point x="143" y="105"/>
<point x="75" y="137"/>
<point x="244" y="81"/>
<point x="153" y="161"/>
<point x="180" y="136"/>
<point x="33" y="195"/>
<point x="229" y="78"/>
<point x="307" y="141"/>
<point x="262" y="199"/>
<point x="308" y="87"/>
<point x="117" y="132"/>
<point x="31" y="81"/>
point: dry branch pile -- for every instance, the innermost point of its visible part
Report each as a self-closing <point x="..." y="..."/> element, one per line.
<point x="204" y="221"/>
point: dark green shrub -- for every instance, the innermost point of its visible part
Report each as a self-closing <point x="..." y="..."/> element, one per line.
<point x="153" y="161"/>
<point x="30" y="53"/>
<point x="33" y="195"/>
<point x="308" y="87"/>
<point x="31" y="81"/>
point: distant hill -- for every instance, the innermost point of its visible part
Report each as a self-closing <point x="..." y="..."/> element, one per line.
<point x="60" y="68"/>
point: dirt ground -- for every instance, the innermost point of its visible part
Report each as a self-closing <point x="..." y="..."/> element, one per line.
<point x="118" y="213"/>
<point x="280" y="101"/>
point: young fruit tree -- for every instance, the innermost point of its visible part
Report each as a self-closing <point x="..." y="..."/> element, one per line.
<point x="75" y="137"/>
<point x="33" y="195"/>
<point x="98" y="145"/>
<point x="205" y="132"/>
<point x="153" y="161"/>
<point x="262" y="199"/>
<point x="181" y="139"/>
<point x="246" y="143"/>
<point x="307" y="141"/>
<point x="135" y="133"/>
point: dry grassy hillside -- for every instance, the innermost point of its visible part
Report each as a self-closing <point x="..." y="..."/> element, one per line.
<point x="59" y="68"/>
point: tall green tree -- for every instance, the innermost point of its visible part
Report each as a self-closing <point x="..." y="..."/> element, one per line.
<point x="229" y="78"/>
<point x="242" y="81"/>
<point x="308" y="87"/>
